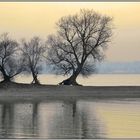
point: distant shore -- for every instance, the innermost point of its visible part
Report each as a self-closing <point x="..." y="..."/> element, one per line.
<point x="29" y="92"/>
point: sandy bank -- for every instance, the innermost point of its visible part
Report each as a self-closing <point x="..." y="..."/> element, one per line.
<point x="41" y="92"/>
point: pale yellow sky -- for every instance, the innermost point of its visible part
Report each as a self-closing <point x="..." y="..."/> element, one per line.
<point x="29" y="19"/>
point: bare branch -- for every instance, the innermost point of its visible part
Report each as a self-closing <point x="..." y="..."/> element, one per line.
<point x="79" y="37"/>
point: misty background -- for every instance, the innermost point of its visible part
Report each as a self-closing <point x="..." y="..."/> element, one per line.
<point x="107" y="67"/>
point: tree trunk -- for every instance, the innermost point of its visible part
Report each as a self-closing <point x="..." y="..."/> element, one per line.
<point x="35" y="80"/>
<point x="6" y="78"/>
<point x="71" y="80"/>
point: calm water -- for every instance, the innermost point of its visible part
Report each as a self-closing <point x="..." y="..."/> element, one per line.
<point x="71" y="119"/>
<point x="93" y="80"/>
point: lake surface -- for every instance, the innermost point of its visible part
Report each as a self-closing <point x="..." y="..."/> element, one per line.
<point x="93" y="80"/>
<point x="95" y="118"/>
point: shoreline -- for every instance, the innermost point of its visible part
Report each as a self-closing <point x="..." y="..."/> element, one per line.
<point x="28" y="92"/>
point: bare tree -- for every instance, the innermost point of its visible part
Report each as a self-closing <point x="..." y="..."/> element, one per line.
<point x="78" y="44"/>
<point x="10" y="60"/>
<point x="33" y="55"/>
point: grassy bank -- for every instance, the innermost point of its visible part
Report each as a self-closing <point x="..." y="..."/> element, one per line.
<point x="15" y="91"/>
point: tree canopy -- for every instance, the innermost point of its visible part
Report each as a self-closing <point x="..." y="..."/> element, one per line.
<point x="33" y="51"/>
<point x="78" y="43"/>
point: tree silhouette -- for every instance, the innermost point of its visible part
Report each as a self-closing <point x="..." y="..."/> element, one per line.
<point x="79" y="42"/>
<point x="10" y="60"/>
<point x="33" y="56"/>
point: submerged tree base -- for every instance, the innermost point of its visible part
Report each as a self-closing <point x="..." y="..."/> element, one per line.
<point x="35" y="81"/>
<point x="6" y="84"/>
<point x="6" y="81"/>
<point x="69" y="82"/>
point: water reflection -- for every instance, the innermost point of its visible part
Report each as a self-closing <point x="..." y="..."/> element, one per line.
<point x="24" y="122"/>
<point x="6" y="120"/>
<point x="17" y="120"/>
<point x="69" y="119"/>
<point x="89" y="123"/>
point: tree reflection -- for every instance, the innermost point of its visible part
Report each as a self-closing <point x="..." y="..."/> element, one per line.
<point x="74" y="121"/>
<point x="88" y="122"/>
<point x="34" y="118"/>
<point x="6" y="120"/>
<point x="18" y="120"/>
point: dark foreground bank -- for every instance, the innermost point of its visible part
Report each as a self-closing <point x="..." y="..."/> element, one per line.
<point x="15" y="91"/>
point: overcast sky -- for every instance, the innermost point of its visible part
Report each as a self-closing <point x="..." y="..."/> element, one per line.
<point x="29" y="19"/>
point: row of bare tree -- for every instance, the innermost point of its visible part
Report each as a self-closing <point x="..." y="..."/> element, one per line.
<point x="20" y="57"/>
<point x="78" y="43"/>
